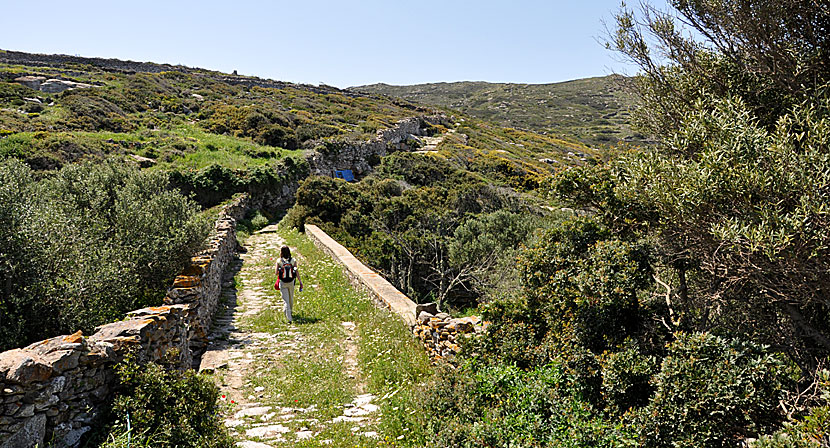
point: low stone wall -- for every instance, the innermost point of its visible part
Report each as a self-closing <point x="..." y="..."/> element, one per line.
<point x="52" y="390"/>
<point x="441" y="334"/>
<point x="360" y="156"/>
<point x="362" y="277"/>
<point x="438" y="331"/>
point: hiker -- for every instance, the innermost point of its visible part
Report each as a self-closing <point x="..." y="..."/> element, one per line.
<point x="287" y="273"/>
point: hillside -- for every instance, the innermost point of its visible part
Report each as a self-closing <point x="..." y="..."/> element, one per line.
<point x="594" y="110"/>
<point x="198" y="124"/>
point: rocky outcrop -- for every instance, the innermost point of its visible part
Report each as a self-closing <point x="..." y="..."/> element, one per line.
<point x="360" y="157"/>
<point x="50" y="85"/>
<point x="53" y="389"/>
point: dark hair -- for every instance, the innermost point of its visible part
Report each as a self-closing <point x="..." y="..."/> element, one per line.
<point x="285" y="252"/>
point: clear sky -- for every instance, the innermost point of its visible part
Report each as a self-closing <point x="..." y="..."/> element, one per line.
<point x="341" y="43"/>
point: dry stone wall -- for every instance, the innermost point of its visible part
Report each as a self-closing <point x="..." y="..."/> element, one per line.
<point x="361" y="156"/>
<point x="439" y="332"/>
<point x="442" y="334"/>
<point x="52" y="390"/>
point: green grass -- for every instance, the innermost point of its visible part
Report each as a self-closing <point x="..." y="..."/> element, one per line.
<point x="229" y="151"/>
<point x="392" y="364"/>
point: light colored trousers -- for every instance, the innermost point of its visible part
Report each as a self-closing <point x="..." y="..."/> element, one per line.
<point x="287" y="292"/>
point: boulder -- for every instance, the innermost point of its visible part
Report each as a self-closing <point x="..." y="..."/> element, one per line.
<point x="143" y="162"/>
<point x="32" y="82"/>
<point x="431" y="308"/>
<point x="423" y="317"/>
<point x="59" y="85"/>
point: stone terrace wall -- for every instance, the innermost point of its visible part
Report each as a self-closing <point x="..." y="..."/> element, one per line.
<point x="438" y="331"/>
<point x="53" y="389"/>
<point x="441" y="333"/>
<point x="359" y="156"/>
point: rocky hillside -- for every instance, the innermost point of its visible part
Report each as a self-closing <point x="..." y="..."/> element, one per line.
<point x="221" y="133"/>
<point x="594" y="110"/>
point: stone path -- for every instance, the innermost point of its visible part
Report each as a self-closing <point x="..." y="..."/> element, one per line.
<point x="431" y="143"/>
<point x="237" y="355"/>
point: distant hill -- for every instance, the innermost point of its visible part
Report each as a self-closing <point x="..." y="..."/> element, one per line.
<point x="594" y="110"/>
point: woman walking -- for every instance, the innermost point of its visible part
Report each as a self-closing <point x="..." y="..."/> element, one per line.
<point x="287" y="273"/>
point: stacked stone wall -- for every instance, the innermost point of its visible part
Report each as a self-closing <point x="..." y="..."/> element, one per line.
<point x="442" y="334"/>
<point x="52" y="390"/>
<point x="360" y="156"/>
<point x="439" y="332"/>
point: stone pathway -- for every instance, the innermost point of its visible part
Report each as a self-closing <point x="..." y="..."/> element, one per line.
<point x="431" y="143"/>
<point x="236" y="355"/>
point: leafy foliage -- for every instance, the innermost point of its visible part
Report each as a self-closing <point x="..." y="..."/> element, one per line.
<point x="712" y="392"/>
<point x="86" y="245"/>
<point x="701" y="262"/>
<point x="436" y="231"/>
<point x="163" y="408"/>
<point x="506" y="406"/>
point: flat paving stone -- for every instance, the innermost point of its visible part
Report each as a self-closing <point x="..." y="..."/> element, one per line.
<point x="268" y="432"/>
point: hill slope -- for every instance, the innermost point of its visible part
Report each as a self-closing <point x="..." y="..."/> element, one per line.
<point x="184" y="119"/>
<point x="594" y="110"/>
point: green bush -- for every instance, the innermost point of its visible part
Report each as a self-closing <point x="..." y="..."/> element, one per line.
<point x="253" y="222"/>
<point x="609" y="279"/>
<point x="84" y="246"/>
<point x="90" y="111"/>
<point x="503" y="406"/>
<point x="259" y="220"/>
<point x="712" y="392"/>
<point x="13" y="91"/>
<point x="626" y="379"/>
<point x="163" y="408"/>
<point x="216" y="183"/>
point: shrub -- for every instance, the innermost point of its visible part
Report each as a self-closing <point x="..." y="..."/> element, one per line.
<point x="626" y="379"/>
<point x="610" y="277"/>
<point x="12" y="91"/>
<point x="712" y="392"/>
<point x="90" y="111"/>
<point x="163" y="408"/>
<point x="215" y="183"/>
<point x="86" y="245"/>
<point x="502" y="405"/>
<point x="255" y="221"/>
<point x="259" y="220"/>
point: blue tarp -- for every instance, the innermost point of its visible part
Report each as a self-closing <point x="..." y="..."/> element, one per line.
<point x="345" y="175"/>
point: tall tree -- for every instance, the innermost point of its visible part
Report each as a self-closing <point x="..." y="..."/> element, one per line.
<point x="736" y="194"/>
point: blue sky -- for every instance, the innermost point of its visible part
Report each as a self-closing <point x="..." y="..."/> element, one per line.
<point x="335" y="42"/>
